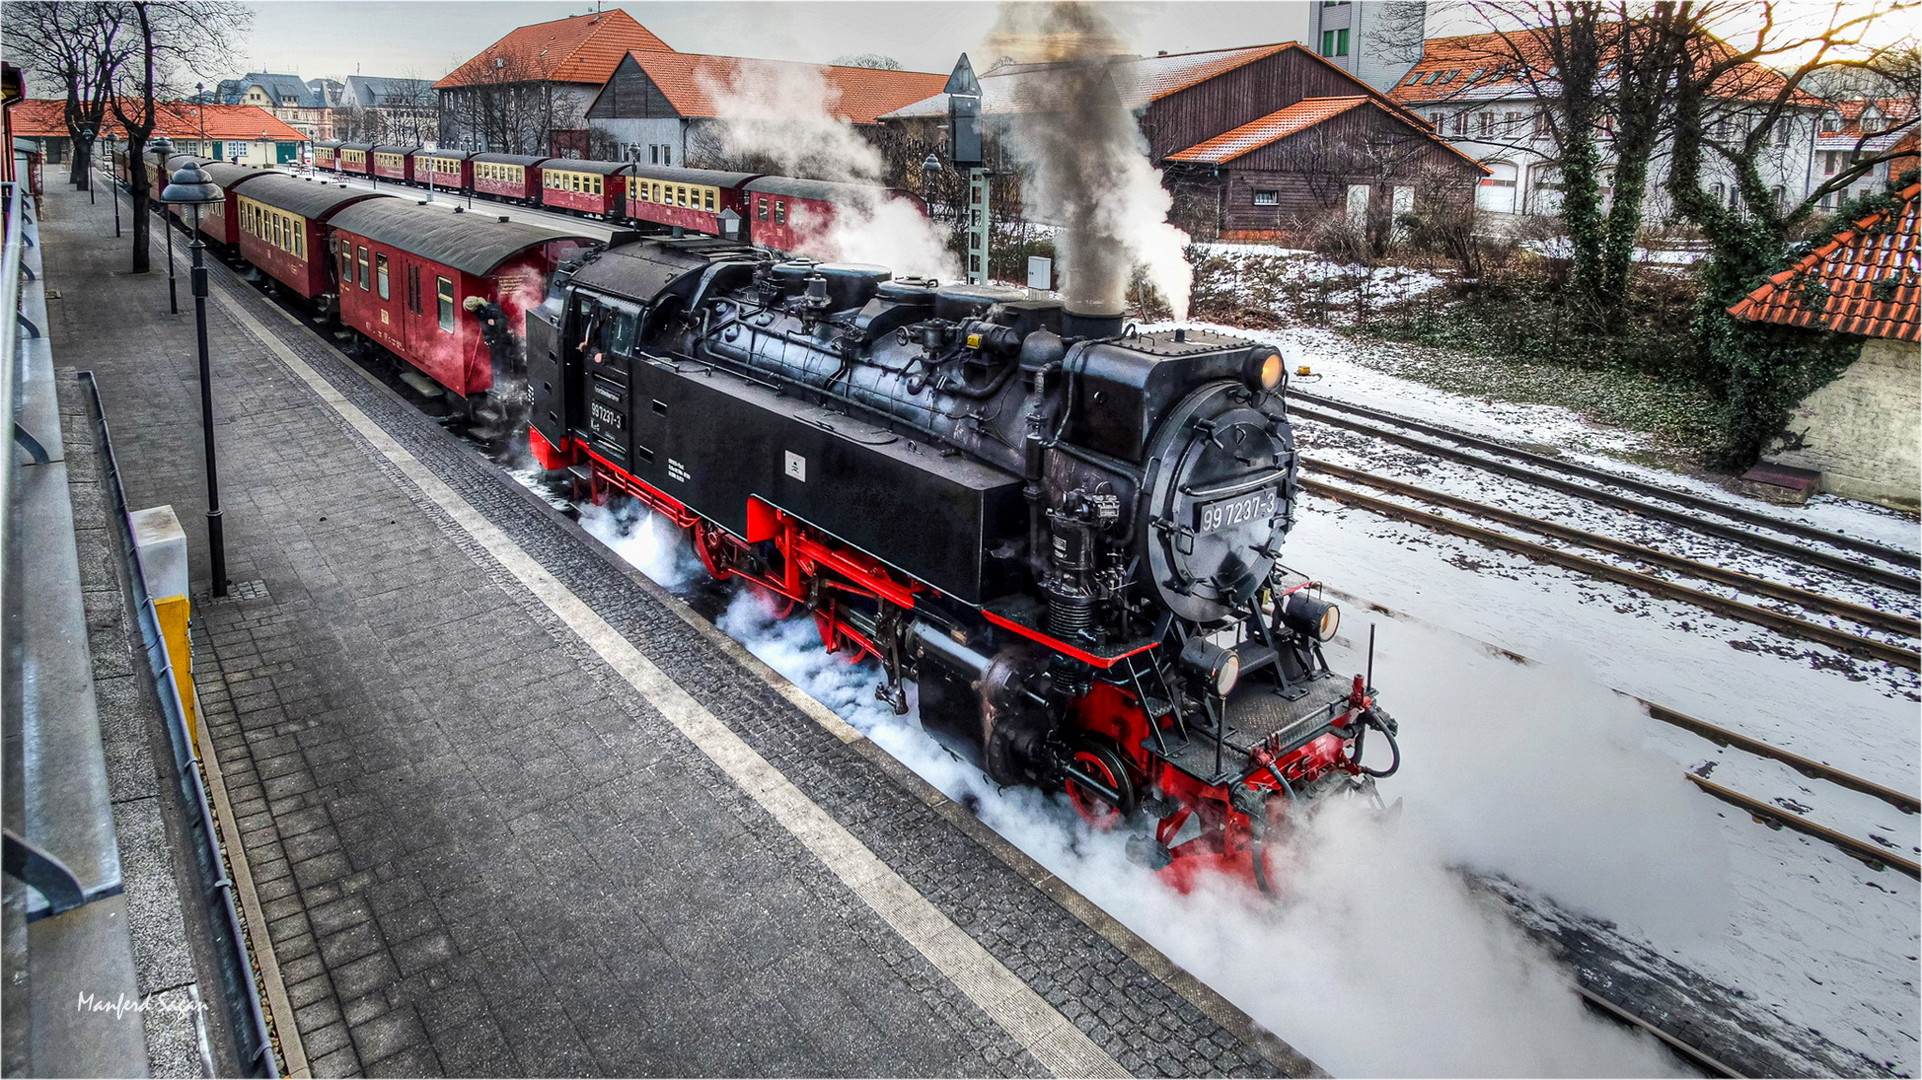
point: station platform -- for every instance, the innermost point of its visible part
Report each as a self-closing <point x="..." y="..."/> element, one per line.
<point x="504" y="807"/>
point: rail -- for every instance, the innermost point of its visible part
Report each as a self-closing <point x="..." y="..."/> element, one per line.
<point x="1587" y="489"/>
<point x="1853" y="644"/>
<point x="252" y="1041"/>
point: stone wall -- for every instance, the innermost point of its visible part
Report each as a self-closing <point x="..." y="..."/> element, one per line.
<point x="1863" y="432"/>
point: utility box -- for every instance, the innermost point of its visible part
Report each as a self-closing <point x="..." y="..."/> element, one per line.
<point x="162" y="545"/>
<point x="163" y="550"/>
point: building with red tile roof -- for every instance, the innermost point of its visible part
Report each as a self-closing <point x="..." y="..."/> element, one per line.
<point x="1860" y="431"/>
<point x="1258" y="141"/>
<point x="246" y="133"/>
<point x="658" y="104"/>
<point x="1862" y="128"/>
<point x="1866" y="280"/>
<point x="530" y="90"/>
<point x="1491" y="95"/>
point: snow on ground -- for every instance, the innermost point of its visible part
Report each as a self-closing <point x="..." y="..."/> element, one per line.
<point x="1354" y="371"/>
<point x="1282" y="280"/>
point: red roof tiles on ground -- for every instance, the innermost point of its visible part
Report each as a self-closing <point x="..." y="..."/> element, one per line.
<point x="1256" y="134"/>
<point x="581" y="49"/>
<point x="41" y="119"/>
<point x="1867" y="280"/>
<point x="690" y="82"/>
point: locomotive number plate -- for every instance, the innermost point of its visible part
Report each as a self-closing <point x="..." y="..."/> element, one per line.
<point x="605" y="417"/>
<point x="1226" y="514"/>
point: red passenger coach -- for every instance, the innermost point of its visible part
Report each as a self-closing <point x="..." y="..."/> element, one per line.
<point x="591" y="187"/>
<point x="221" y="223"/>
<point x="327" y="155"/>
<point x="788" y="213"/>
<point x="283" y="230"/>
<point x="443" y="169"/>
<point x="413" y="268"/>
<point x="354" y="157"/>
<point x="691" y="199"/>
<point x="394" y="162"/>
<point x="507" y="176"/>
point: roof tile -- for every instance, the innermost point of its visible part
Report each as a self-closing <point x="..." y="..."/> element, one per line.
<point x="1876" y="255"/>
<point x="1256" y="134"/>
<point x="43" y="119"/>
<point x="580" y="49"/>
<point x="860" y="95"/>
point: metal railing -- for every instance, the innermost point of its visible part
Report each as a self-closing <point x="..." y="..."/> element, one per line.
<point x="252" y="1042"/>
<point x="10" y="358"/>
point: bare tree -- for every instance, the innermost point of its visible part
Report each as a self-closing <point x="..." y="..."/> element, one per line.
<point x="508" y="105"/>
<point x="868" y="60"/>
<point x="77" y="49"/>
<point x="170" y="39"/>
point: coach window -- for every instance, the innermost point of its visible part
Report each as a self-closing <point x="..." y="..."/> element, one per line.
<point x="346" y="266"/>
<point x="780" y="212"/>
<point x="361" y="254"/>
<point x="444" y="289"/>
<point x="380" y="275"/>
<point x="760" y="209"/>
<point x="708" y="198"/>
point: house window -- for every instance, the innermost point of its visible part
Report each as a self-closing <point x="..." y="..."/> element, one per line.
<point x="1512" y="123"/>
<point x="1782" y="133"/>
<point x="1267" y="198"/>
<point x="1438" y="119"/>
<point x="444" y="290"/>
<point x="654" y="154"/>
<point x="1334" y="43"/>
<point x="1485" y="124"/>
<point x="1461" y="123"/>
<point x="380" y="275"/>
<point x="1543" y="124"/>
<point x="1828" y="162"/>
<point x="361" y="259"/>
<point x="1413" y="79"/>
<point x="667" y="153"/>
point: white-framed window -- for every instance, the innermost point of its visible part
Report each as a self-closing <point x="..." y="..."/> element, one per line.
<point x="1267" y="198"/>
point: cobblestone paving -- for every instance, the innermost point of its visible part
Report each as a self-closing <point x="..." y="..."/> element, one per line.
<point x="481" y="853"/>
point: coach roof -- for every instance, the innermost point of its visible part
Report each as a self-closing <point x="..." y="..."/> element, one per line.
<point x="308" y="198"/>
<point x="470" y="243"/>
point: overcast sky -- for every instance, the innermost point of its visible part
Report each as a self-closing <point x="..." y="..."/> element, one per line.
<point x="428" y="38"/>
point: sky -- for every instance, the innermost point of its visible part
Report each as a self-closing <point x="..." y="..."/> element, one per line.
<point x="428" y="38"/>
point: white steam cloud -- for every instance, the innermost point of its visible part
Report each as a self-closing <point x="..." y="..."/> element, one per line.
<point x="787" y="114"/>
<point x="1378" y="957"/>
<point x="1082" y="151"/>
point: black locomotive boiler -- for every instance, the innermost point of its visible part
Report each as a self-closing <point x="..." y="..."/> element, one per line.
<point x="1064" y="534"/>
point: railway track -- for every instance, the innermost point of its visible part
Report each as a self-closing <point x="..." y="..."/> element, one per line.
<point x="1701" y="1059"/>
<point x="1581" y="480"/>
<point x="1874" y="855"/>
<point x="1853" y="644"/>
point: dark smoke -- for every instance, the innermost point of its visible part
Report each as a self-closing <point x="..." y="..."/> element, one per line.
<point x="1086" y="163"/>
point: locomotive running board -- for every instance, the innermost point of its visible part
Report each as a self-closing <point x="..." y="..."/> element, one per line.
<point x="1103" y="659"/>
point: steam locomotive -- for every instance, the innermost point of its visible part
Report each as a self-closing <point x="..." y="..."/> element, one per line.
<point x="1063" y="535"/>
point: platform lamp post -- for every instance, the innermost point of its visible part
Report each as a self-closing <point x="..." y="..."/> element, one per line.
<point x="162" y="148"/>
<point x="191" y="186"/>
<point x="87" y="134"/>
<point x="113" y="178"/>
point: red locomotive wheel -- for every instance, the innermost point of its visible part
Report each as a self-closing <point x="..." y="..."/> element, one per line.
<point x="716" y="550"/>
<point x="1103" y="764"/>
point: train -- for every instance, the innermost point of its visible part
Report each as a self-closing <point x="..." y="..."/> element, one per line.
<point x="777" y="212"/>
<point x="1059" y="536"/>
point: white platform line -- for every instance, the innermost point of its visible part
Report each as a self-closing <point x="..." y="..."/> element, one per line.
<point x="1056" y="1043"/>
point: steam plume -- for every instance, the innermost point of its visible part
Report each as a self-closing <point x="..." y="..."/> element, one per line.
<point x="1087" y="164"/>
<point x="786" y="116"/>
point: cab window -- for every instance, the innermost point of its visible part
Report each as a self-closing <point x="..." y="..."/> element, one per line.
<point x="444" y="291"/>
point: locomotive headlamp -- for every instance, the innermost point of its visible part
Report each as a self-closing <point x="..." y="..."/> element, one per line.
<point x="1215" y="666"/>
<point x="1262" y="370"/>
<point x="1304" y="614"/>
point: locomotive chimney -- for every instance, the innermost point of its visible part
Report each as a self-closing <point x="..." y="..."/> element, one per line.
<point x="1091" y="323"/>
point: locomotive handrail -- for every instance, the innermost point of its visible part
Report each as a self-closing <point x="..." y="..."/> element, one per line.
<point x="1238" y="487"/>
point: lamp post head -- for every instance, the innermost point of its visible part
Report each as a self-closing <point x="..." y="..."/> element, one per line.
<point x="161" y="146"/>
<point x="931" y="164"/>
<point x="191" y="186"/>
